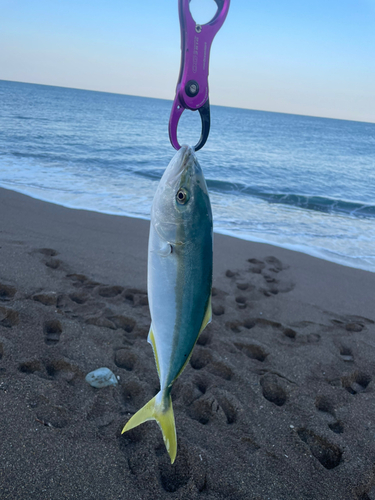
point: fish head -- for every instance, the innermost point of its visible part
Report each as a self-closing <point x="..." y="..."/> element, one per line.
<point x="181" y="200"/>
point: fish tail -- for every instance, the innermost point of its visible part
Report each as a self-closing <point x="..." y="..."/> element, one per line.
<point x="160" y="409"/>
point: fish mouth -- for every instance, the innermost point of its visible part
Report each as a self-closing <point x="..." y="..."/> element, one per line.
<point x="184" y="160"/>
<point x="187" y="153"/>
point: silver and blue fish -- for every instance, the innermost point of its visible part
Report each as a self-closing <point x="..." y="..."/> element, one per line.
<point x="179" y="281"/>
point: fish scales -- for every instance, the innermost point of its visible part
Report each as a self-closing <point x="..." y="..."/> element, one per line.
<point x="179" y="281"/>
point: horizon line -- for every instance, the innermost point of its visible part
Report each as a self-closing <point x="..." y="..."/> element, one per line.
<point x="211" y="104"/>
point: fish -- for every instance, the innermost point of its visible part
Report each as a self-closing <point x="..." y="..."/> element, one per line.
<point x="179" y="281"/>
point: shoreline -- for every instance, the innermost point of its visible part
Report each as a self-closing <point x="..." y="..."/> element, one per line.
<point x="342" y="261"/>
<point x="277" y="400"/>
<point x="130" y="237"/>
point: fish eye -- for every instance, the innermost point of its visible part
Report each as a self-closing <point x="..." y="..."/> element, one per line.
<point x="181" y="196"/>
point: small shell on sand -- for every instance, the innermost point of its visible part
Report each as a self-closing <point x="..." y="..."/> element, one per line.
<point x="101" y="377"/>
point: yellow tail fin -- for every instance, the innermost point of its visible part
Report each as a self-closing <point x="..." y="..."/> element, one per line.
<point x="163" y="414"/>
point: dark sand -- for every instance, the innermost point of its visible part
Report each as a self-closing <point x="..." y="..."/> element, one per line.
<point x="277" y="401"/>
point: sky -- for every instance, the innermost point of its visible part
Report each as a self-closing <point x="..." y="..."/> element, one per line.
<point x="309" y="57"/>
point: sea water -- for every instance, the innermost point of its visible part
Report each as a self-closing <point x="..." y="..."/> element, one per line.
<point x="298" y="182"/>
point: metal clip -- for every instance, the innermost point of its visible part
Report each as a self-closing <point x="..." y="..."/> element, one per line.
<point x="192" y="85"/>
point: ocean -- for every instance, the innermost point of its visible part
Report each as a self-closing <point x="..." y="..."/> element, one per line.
<point x="299" y="182"/>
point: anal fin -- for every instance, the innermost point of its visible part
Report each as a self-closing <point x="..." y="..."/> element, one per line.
<point x="207" y="317"/>
<point x="151" y="340"/>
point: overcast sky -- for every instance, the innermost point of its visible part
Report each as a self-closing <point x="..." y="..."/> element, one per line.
<point x="310" y="57"/>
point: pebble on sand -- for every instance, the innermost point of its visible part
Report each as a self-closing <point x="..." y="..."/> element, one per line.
<point x="101" y="377"/>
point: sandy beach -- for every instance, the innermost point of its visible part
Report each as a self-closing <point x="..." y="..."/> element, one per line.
<point x="277" y="402"/>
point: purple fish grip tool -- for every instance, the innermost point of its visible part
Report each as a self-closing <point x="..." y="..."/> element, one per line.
<point x="192" y="85"/>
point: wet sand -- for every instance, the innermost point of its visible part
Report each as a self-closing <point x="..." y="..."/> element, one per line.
<point x="276" y="403"/>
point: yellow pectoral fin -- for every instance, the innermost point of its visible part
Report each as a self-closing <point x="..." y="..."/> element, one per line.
<point x="163" y="414"/>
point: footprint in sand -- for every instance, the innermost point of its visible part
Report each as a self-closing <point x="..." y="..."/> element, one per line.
<point x="81" y="281"/>
<point x="229" y="404"/>
<point x="257" y="266"/>
<point x="53" y="263"/>
<point x="235" y="326"/>
<point x="273" y="390"/>
<point x="205" y="337"/>
<point x="50" y="253"/>
<point x="221" y="369"/>
<point x="274" y="264"/>
<point x="203" y="409"/>
<point x="129" y="296"/>
<point x="191" y="390"/>
<point x="252" y="351"/>
<point x="101" y="321"/>
<point x="290" y="333"/>
<point x="61" y="369"/>
<point x="249" y="323"/>
<point x="352" y="324"/>
<point x="173" y="477"/>
<point x="302" y="333"/>
<point x="179" y="479"/>
<point x="113" y="322"/>
<point x="325" y="405"/>
<point x="346" y="354"/>
<point x="230" y="274"/>
<point x="218" y="309"/>
<point x="328" y="454"/>
<point x="267" y="322"/>
<point x="266" y="279"/>
<point x="356" y="382"/>
<point x="202" y="358"/>
<point x="50" y="414"/>
<point x="104" y="410"/>
<point x="7" y="292"/>
<point x="217" y="405"/>
<point x="57" y="369"/>
<point x="123" y="322"/>
<point x="241" y="302"/>
<point x="270" y="279"/>
<point x="30" y="366"/>
<point x="52" y="331"/>
<point x="79" y="297"/>
<point x="8" y="317"/>
<point x="336" y="427"/>
<point x="47" y="299"/>
<point x="218" y="297"/>
<point x="110" y="291"/>
<point x="136" y="297"/>
<point x="243" y="286"/>
<point x="269" y="268"/>
<point x="125" y="358"/>
<point x="354" y="327"/>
